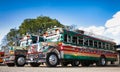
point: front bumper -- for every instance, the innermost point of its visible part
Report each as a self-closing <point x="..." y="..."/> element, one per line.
<point x="36" y="61"/>
<point x="9" y="59"/>
<point x="36" y="58"/>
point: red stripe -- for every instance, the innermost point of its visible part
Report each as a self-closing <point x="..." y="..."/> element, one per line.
<point x="88" y="51"/>
<point x="1" y="53"/>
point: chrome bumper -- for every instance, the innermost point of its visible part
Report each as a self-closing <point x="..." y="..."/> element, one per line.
<point x="36" y="61"/>
<point x="9" y="59"/>
<point x="37" y="58"/>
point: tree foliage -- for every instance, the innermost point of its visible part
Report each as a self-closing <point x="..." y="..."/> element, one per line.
<point x="11" y="36"/>
<point x="40" y="24"/>
<point x="33" y="26"/>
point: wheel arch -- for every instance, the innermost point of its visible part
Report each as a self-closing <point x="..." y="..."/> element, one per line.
<point x="103" y="56"/>
<point x="54" y="50"/>
<point x="20" y="55"/>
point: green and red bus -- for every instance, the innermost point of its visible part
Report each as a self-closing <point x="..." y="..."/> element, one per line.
<point x="62" y="46"/>
<point x="16" y="55"/>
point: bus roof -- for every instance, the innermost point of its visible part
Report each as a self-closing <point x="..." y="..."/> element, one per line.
<point x="93" y="36"/>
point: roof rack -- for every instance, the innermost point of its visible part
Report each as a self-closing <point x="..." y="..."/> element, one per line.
<point x="94" y="35"/>
<point x="98" y="36"/>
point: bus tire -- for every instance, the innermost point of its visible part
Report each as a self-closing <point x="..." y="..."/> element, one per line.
<point x="20" y="61"/>
<point x="102" y="62"/>
<point x="34" y="64"/>
<point x="52" y="60"/>
<point x="10" y="64"/>
<point x="75" y="63"/>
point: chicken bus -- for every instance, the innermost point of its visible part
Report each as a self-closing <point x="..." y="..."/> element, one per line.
<point x="59" y="46"/>
<point x="16" y="54"/>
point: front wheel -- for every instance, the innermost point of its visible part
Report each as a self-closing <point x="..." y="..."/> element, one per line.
<point x="20" y="61"/>
<point x="52" y="60"/>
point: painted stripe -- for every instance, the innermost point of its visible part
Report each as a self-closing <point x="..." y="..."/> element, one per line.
<point x="69" y="56"/>
<point x="87" y="54"/>
<point x="87" y="50"/>
<point x="80" y="54"/>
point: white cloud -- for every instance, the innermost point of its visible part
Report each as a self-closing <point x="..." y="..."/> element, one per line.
<point x="111" y="28"/>
<point x="115" y="21"/>
<point x="97" y="30"/>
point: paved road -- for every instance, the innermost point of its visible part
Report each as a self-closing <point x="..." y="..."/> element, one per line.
<point x="27" y="68"/>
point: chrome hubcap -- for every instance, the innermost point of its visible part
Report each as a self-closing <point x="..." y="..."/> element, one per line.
<point x="21" y="60"/>
<point x="77" y="62"/>
<point x="103" y="61"/>
<point x="53" y="59"/>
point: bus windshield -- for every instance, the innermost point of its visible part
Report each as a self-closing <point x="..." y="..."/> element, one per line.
<point x="52" y="35"/>
<point x="25" y="42"/>
<point x="53" y="32"/>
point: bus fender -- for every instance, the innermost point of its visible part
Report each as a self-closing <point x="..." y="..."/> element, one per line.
<point x="55" y="51"/>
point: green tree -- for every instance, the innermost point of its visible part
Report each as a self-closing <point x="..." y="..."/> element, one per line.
<point x="12" y="36"/>
<point x="41" y="23"/>
<point x="33" y="26"/>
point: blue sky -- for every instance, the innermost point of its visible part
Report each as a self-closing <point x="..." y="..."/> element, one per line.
<point x="79" y="12"/>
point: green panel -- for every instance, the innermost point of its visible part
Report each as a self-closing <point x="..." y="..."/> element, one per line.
<point x="67" y="56"/>
<point x="111" y="59"/>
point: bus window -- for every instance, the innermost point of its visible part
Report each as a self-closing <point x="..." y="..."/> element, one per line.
<point x="80" y="40"/>
<point x="91" y="43"/>
<point x="23" y="44"/>
<point x="104" y="46"/>
<point x="34" y="39"/>
<point x="95" y="44"/>
<point x="112" y="47"/>
<point x="69" y="39"/>
<point x="99" y="44"/>
<point x="107" y="46"/>
<point x="86" y="42"/>
<point x="65" y="37"/>
<point x="41" y="39"/>
<point x="74" y="40"/>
